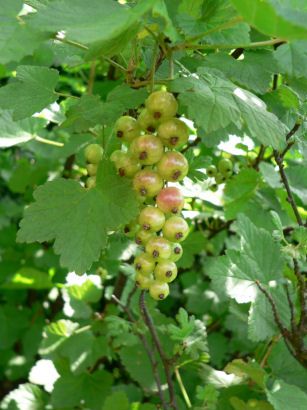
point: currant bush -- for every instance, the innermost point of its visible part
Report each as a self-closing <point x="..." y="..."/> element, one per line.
<point x="150" y="157"/>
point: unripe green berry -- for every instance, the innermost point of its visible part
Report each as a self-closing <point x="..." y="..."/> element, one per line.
<point x="90" y="182"/>
<point x="147" y="122"/>
<point x="147" y="183"/>
<point x="144" y="264"/>
<point x="176" y="252"/>
<point x="151" y="219"/>
<point x="213" y="187"/>
<point x="225" y="166"/>
<point x="159" y="290"/>
<point x="219" y="178"/>
<point x="126" y="165"/>
<point x="173" y="133"/>
<point x="162" y="105"/>
<point x="127" y="128"/>
<point x="158" y="248"/>
<point x="165" y="271"/>
<point x="211" y="171"/>
<point x="92" y="169"/>
<point x="175" y="229"/>
<point x="131" y="229"/>
<point x="142" y="237"/>
<point x="173" y="166"/>
<point x="143" y="282"/>
<point x="93" y="153"/>
<point x="147" y="149"/>
<point x="170" y="200"/>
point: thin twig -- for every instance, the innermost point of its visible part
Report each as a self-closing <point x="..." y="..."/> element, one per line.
<point x="91" y="79"/>
<point x="148" y="350"/>
<point x="192" y="144"/>
<point x="302" y="295"/>
<point x="256" y="44"/>
<point x="151" y="327"/>
<point x="273" y="342"/>
<point x="182" y="388"/>
<point x="130" y="295"/>
<point x="48" y="142"/>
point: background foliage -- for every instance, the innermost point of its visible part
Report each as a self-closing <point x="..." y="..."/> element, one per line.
<point x="72" y="334"/>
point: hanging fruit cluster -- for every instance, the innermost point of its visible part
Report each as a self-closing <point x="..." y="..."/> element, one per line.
<point x="149" y="155"/>
<point x="220" y="173"/>
<point x="93" y="154"/>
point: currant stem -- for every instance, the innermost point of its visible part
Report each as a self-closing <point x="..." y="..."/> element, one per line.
<point x="151" y="327"/>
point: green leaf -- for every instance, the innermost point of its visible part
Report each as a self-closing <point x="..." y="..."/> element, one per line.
<point x="79" y="292"/>
<point x="104" y="25"/>
<point x="238" y="190"/>
<point x="90" y="111"/>
<point x="215" y="103"/>
<point x="297" y="176"/>
<point x="28" y="278"/>
<point x="292" y="58"/>
<point x="251" y="370"/>
<point x="11" y="330"/>
<point x="18" y="39"/>
<point x="261" y="322"/>
<point x="238" y="270"/>
<point x="193" y="245"/>
<point x="118" y="400"/>
<point x="285" y="367"/>
<point x="191" y="333"/>
<point x="70" y="389"/>
<point x="253" y="72"/>
<point x="286" y="19"/>
<point x="32" y="91"/>
<point x="280" y="394"/>
<point x="26" y="397"/>
<point x="79" y="219"/>
<point x="17" y="132"/>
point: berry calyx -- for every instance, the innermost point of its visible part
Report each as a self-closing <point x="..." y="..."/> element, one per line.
<point x="147" y="122"/>
<point x="162" y="105"/>
<point x="147" y="183"/>
<point x="159" y="290"/>
<point x="165" y="271"/>
<point x="175" y="229"/>
<point x="151" y="219"/>
<point x="173" y="166"/>
<point x="176" y="252"/>
<point x="211" y="171"/>
<point x="93" y="153"/>
<point x="124" y="163"/>
<point x="92" y="169"/>
<point x="144" y="264"/>
<point x="225" y="166"/>
<point x="142" y="237"/>
<point x="158" y="248"/>
<point x="127" y="128"/>
<point x="143" y="282"/>
<point x="131" y="229"/>
<point x="173" y="133"/>
<point x="170" y="200"/>
<point x="147" y="149"/>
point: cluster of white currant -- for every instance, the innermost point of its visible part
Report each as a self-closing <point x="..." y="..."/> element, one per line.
<point x="149" y="156"/>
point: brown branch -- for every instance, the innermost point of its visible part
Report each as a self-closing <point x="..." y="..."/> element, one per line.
<point x="150" y="354"/>
<point x="259" y="157"/>
<point x="191" y="145"/>
<point x="284" y="331"/>
<point x="166" y="363"/>
<point x="279" y="161"/>
<point x="302" y="294"/>
<point x="291" y="307"/>
<point x="91" y="79"/>
<point x="237" y="53"/>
